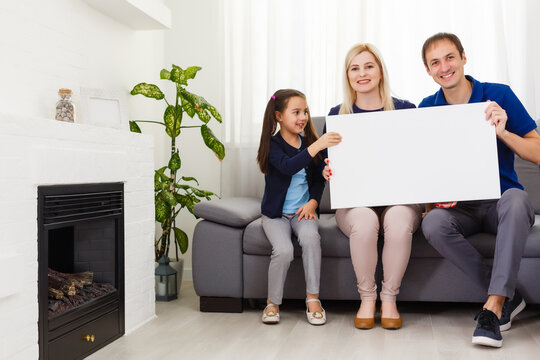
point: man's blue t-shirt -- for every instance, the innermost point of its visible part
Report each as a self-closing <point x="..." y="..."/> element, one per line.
<point x="519" y="122"/>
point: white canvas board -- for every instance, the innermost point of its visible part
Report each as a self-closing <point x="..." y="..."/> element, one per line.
<point x="413" y="156"/>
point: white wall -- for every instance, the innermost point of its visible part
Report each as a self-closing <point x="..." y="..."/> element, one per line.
<point x="51" y="44"/>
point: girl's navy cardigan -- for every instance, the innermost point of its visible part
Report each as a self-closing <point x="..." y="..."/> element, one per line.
<point x="284" y="161"/>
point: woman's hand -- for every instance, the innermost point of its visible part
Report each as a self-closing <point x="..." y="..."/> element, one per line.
<point x="446" y="205"/>
<point x="327" y="172"/>
<point x="307" y="210"/>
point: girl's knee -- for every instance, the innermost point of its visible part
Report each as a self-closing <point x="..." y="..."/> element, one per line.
<point x="283" y="253"/>
<point x="309" y="239"/>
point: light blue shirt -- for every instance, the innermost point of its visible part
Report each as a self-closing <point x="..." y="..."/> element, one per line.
<point x="298" y="191"/>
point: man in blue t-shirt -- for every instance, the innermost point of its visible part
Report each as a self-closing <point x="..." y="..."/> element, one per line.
<point x="510" y="217"/>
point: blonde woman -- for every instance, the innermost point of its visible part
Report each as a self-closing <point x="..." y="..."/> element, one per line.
<point x="366" y="89"/>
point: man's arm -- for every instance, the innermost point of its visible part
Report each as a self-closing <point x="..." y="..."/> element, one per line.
<point x="526" y="147"/>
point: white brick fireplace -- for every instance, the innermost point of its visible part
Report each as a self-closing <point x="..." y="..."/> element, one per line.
<point x="37" y="152"/>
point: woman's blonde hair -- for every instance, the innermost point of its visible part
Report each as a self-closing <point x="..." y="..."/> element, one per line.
<point x="349" y="94"/>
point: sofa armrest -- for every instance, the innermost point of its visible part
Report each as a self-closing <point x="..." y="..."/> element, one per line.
<point x="235" y="211"/>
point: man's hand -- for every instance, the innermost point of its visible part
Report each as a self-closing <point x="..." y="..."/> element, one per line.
<point x="498" y="117"/>
<point x="307" y="210"/>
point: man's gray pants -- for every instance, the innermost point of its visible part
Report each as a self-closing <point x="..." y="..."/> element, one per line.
<point x="510" y="218"/>
<point x="279" y="231"/>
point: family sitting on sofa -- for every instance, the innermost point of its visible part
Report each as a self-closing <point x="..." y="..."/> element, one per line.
<point x="294" y="162"/>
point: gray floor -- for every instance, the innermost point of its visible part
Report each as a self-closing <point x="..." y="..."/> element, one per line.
<point x="430" y="331"/>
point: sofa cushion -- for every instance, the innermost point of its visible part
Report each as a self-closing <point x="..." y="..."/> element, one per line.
<point x="333" y="242"/>
<point x="236" y="212"/>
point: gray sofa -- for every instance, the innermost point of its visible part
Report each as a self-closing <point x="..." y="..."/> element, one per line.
<point x="231" y="256"/>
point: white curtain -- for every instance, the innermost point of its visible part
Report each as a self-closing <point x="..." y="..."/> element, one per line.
<point x="301" y="44"/>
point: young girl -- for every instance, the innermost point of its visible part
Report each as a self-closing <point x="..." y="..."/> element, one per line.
<point x="293" y="189"/>
<point x="366" y="89"/>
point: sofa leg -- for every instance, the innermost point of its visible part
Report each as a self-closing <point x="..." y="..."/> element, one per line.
<point x="221" y="304"/>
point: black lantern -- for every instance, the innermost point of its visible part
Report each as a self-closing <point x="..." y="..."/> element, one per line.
<point x="166" y="281"/>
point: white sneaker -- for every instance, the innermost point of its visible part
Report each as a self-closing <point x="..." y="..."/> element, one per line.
<point x="270" y="317"/>
<point x="315" y="317"/>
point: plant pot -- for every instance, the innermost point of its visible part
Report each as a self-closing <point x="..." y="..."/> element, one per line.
<point x="178" y="265"/>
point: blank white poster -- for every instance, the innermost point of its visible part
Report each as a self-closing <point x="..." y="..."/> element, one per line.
<point x="412" y="156"/>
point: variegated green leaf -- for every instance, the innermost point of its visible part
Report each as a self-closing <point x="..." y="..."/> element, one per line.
<point x="165" y="74"/>
<point x="202" y="193"/>
<point x="161" y="173"/>
<point x="197" y="192"/>
<point x="181" y="239"/>
<point x="163" y="210"/>
<point x="212" y="142"/>
<point x="173" y="120"/>
<point x="203" y="115"/>
<point x="169" y="198"/>
<point x="133" y="127"/>
<point x="188" y="107"/>
<point x="184" y="200"/>
<point x="178" y="75"/>
<point x="189" y="178"/>
<point x="148" y="90"/>
<point x="183" y="187"/>
<point x="214" y="113"/>
<point x="191" y="71"/>
<point x="174" y="162"/>
<point x="199" y="104"/>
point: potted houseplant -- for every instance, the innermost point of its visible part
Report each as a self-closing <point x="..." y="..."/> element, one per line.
<point x="175" y="191"/>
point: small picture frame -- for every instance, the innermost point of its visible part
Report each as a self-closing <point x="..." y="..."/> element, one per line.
<point x="104" y="107"/>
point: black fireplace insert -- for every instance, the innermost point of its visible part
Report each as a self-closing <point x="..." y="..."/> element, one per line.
<point x="80" y="268"/>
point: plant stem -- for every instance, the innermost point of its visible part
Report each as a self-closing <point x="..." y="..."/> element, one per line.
<point x="194" y="126"/>
<point x="149" y="121"/>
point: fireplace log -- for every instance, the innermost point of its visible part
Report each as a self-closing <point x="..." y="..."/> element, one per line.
<point x="86" y="278"/>
<point x="61" y="284"/>
<point x="55" y="294"/>
<point x="70" y="284"/>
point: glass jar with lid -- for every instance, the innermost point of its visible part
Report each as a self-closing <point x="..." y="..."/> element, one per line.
<point x="65" y="111"/>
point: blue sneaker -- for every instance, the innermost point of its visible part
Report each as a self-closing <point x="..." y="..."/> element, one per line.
<point x="510" y="309"/>
<point x="487" y="330"/>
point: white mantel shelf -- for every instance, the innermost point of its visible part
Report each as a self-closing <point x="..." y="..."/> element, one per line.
<point x="137" y="14"/>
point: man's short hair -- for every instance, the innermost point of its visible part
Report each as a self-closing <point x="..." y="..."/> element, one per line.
<point x="438" y="37"/>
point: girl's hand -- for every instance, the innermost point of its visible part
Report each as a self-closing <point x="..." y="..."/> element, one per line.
<point x="329" y="139"/>
<point x="327" y="172"/>
<point x="498" y="117"/>
<point x="307" y="210"/>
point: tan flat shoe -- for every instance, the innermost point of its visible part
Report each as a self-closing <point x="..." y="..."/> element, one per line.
<point x="391" y="324"/>
<point x="364" y="323"/>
